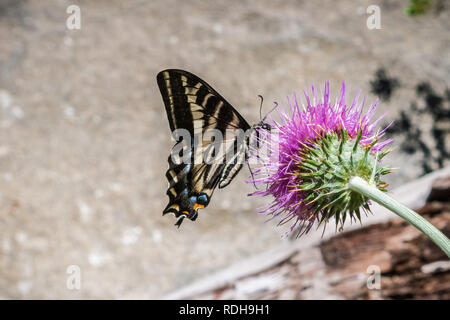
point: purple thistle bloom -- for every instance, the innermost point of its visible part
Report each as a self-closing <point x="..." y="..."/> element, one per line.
<point x="318" y="148"/>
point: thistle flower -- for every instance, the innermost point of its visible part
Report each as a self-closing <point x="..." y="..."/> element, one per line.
<point x="320" y="147"/>
<point x="325" y="163"/>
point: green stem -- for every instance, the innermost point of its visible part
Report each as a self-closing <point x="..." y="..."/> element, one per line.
<point x="358" y="184"/>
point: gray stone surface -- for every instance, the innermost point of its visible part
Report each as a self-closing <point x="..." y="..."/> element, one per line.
<point x="84" y="137"/>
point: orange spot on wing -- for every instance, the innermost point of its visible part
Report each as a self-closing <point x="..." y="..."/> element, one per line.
<point x="196" y="206"/>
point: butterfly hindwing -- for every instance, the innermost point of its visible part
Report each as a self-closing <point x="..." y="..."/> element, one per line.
<point x="193" y="105"/>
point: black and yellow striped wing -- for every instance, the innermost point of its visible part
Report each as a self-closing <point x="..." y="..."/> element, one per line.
<point x="194" y="106"/>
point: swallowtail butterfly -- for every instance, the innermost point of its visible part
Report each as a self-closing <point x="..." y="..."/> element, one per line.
<point x="193" y="105"/>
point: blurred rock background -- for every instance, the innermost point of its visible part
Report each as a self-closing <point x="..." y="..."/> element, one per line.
<point x="84" y="137"/>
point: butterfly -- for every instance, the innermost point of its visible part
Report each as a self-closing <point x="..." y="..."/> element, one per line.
<point x="194" y="106"/>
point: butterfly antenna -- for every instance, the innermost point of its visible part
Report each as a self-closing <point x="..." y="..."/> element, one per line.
<point x="260" y="105"/>
<point x="276" y="105"/>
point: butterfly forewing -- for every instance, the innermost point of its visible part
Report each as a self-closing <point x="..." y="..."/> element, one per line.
<point x="193" y="105"/>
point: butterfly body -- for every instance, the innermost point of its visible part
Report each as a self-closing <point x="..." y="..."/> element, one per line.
<point x="193" y="107"/>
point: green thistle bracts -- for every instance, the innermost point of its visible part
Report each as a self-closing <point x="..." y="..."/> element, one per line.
<point x="325" y="168"/>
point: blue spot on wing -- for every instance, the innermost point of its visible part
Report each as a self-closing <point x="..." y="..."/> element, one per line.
<point x="203" y="199"/>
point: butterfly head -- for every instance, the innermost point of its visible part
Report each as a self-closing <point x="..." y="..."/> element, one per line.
<point x="265" y="126"/>
<point x="261" y="125"/>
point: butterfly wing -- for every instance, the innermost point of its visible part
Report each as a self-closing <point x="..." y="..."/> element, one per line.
<point x="193" y="105"/>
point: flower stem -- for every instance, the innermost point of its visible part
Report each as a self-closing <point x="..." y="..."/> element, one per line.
<point x="358" y="184"/>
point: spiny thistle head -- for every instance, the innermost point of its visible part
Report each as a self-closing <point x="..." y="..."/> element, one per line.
<point x="319" y="148"/>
